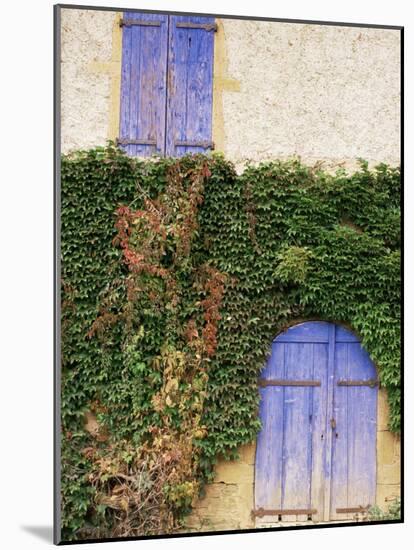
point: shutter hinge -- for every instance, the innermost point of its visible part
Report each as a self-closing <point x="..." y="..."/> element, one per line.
<point x="263" y="383"/>
<point x="127" y="141"/>
<point x="204" y="144"/>
<point x="139" y="23"/>
<point x="353" y="510"/>
<point x="371" y="383"/>
<point x="207" y="27"/>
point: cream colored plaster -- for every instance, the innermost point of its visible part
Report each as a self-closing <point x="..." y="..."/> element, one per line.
<point x="387" y="495"/>
<point x="281" y="90"/>
<point x="319" y="92"/>
<point x="90" y="81"/>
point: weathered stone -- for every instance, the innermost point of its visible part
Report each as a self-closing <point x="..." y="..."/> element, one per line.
<point x="383" y="410"/>
<point x="93" y="427"/>
<point x="387" y="448"/>
<point x="389" y="473"/>
<point x="225" y="506"/>
<point x="386" y="495"/>
<point x="234" y="472"/>
<point x="248" y="453"/>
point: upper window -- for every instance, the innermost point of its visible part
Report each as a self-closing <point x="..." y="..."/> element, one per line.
<point x="166" y="84"/>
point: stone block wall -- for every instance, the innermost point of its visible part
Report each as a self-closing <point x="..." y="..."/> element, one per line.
<point x="229" y="500"/>
<point x="388" y="457"/>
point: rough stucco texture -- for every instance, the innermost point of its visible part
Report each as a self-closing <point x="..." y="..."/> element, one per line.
<point x="320" y="92"/>
<point x="86" y="38"/>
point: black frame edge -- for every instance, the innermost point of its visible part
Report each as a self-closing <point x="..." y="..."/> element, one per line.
<point x="56" y="276"/>
<point x="402" y="203"/>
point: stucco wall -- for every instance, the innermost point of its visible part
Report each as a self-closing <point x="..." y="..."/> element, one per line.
<point x="320" y="92"/>
<point x="229" y="500"/>
<point x="323" y="93"/>
<point x="90" y="69"/>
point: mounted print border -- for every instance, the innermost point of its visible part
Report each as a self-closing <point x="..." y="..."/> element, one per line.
<point x="228" y="343"/>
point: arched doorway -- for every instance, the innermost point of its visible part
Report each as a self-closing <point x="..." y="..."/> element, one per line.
<point x="316" y="451"/>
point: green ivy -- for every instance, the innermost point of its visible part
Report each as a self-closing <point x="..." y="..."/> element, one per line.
<point x="375" y="513"/>
<point x="295" y="242"/>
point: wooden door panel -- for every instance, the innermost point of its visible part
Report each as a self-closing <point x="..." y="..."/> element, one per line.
<point x="290" y="446"/>
<point x="312" y="332"/>
<point x="339" y="484"/>
<point x="268" y="482"/>
<point x="354" y="441"/>
<point x="317" y="446"/>
<point x="362" y="429"/>
<point x="320" y="372"/>
<point x="297" y="431"/>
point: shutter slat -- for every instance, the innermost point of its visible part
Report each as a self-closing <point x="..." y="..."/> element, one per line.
<point x="143" y="84"/>
<point x="190" y="85"/>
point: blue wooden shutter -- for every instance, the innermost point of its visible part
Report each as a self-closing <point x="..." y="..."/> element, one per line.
<point x="190" y="85"/>
<point x="143" y="83"/>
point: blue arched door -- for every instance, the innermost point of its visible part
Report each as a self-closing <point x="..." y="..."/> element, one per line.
<point x="316" y="451"/>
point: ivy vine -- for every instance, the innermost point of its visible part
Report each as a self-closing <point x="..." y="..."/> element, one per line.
<point x="176" y="276"/>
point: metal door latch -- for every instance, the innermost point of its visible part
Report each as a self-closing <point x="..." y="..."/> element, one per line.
<point x="333" y="423"/>
<point x="372" y="383"/>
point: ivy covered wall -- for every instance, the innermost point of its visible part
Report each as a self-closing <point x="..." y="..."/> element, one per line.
<point x="176" y="276"/>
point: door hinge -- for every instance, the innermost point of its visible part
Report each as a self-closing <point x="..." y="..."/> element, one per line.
<point x="353" y="510"/>
<point x="207" y="27"/>
<point x="263" y="383"/>
<point x="205" y="144"/>
<point x="138" y="23"/>
<point x="127" y="141"/>
<point x="261" y="512"/>
<point x="371" y="383"/>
